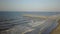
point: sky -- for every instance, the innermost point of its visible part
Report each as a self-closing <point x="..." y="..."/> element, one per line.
<point x="29" y="5"/>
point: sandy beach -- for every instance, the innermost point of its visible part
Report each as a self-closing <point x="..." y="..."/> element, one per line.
<point x="57" y="29"/>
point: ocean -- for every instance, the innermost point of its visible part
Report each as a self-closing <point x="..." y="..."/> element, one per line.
<point x="10" y="19"/>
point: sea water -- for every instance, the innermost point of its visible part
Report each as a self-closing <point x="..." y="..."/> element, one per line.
<point x="10" y="19"/>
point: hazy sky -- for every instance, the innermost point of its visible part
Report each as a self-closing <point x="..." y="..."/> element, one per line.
<point x="29" y="5"/>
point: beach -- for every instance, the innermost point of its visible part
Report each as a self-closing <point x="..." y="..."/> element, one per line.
<point x="57" y="29"/>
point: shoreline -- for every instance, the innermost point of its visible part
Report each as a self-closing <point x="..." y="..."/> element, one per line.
<point x="56" y="30"/>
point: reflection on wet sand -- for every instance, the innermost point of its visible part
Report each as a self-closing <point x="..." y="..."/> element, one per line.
<point x="57" y="29"/>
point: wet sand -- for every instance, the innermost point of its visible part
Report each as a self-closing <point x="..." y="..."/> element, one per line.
<point x="57" y="29"/>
